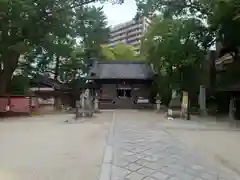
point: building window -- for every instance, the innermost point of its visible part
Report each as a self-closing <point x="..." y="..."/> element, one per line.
<point x="124" y="93"/>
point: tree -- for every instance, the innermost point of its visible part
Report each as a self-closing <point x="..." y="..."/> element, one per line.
<point x="107" y="52"/>
<point x="24" y="24"/>
<point x="27" y="25"/>
<point x="221" y="16"/>
<point x="93" y="31"/>
<point x="198" y="9"/>
<point x="225" y="22"/>
<point x="176" y="50"/>
<point x="121" y="51"/>
<point x="90" y="29"/>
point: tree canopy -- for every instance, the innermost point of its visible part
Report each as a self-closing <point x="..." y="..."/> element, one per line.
<point x="121" y="51"/>
<point x="221" y="16"/>
<point x="175" y="50"/>
<point x="45" y="31"/>
<point x="183" y="32"/>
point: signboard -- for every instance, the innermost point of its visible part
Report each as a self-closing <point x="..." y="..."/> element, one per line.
<point x="143" y="101"/>
<point x="41" y="89"/>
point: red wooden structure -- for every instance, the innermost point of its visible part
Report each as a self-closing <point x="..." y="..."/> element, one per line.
<point x="18" y="104"/>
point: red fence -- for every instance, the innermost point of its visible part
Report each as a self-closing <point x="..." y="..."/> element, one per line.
<point x="17" y="104"/>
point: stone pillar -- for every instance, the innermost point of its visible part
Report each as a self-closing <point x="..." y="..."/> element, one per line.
<point x="82" y="99"/>
<point x="171" y="105"/>
<point x="96" y="103"/>
<point x="184" y="106"/>
<point x="158" y="103"/>
<point x="232" y="108"/>
<point x="202" y="100"/>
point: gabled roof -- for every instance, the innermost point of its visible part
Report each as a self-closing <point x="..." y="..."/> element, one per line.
<point x="121" y="69"/>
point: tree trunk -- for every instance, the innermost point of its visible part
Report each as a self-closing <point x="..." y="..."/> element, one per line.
<point x="57" y="68"/>
<point x="10" y="61"/>
<point x="57" y="102"/>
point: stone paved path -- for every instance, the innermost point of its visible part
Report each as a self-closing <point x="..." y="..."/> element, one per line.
<point x="143" y="150"/>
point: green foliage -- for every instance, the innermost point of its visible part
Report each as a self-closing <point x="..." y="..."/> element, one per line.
<point x="19" y="85"/>
<point x="225" y="21"/>
<point x="121" y="51"/>
<point x="222" y="16"/>
<point x="108" y="52"/>
<point x="174" y="8"/>
<point x="174" y="46"/>
<point x="46" y="31"/>
<point x="204" y="21"/>
<point x="73" y="60"/>
<point x="72" y="67"/>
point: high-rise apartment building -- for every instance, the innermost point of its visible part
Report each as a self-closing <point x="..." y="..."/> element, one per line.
<point x="130" y="32"/>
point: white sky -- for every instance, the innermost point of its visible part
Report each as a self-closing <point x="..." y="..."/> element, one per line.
<point x="119" y="13"/>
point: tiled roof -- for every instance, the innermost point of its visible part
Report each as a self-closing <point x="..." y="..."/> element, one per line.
<point x="124" y="69"/>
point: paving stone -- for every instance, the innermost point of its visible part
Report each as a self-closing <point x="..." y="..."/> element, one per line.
<point x="128" y="153"/>
<point x="198" y="178"/>
<point x="207" y="176"/>
<point x="154" y="165"/>
<point x="148" y="152"/>
<point x="131" y="158"/>
<point x="139" y="155"/>
<point x="184" y="176"/>
<point x="160" y="176"/>
<point x="193" y="172"/>
<point x="146" y="171"/>
<point x="121" y="163"/>
<point x="174" y="178"/>
<point x="170" y="171"/>
<point x="149" y="178"/>
<point x="177" y="167"/>
<point x="133" y="167"/>
<point x="134" y="176"/>
<point x="119" y="173"/>
<point x="151" y="158"/>
<point x="197" y="167"/>
<point x="142" y="162"/>
<point x="159" y="155"/>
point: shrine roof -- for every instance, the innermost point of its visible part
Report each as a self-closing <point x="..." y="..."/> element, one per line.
<point x="121" y="69"/>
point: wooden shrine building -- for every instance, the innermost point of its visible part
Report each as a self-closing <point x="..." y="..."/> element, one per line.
<point x="122" y="84"/>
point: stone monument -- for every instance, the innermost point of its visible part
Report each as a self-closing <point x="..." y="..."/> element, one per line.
<point x="86" y="107"/>
<point x="174" y="107"/>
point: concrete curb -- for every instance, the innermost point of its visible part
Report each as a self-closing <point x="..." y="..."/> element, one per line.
<point x="106" y="168"/>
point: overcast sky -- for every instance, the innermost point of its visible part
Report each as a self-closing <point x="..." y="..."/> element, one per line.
<point x="120" y="13"/>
